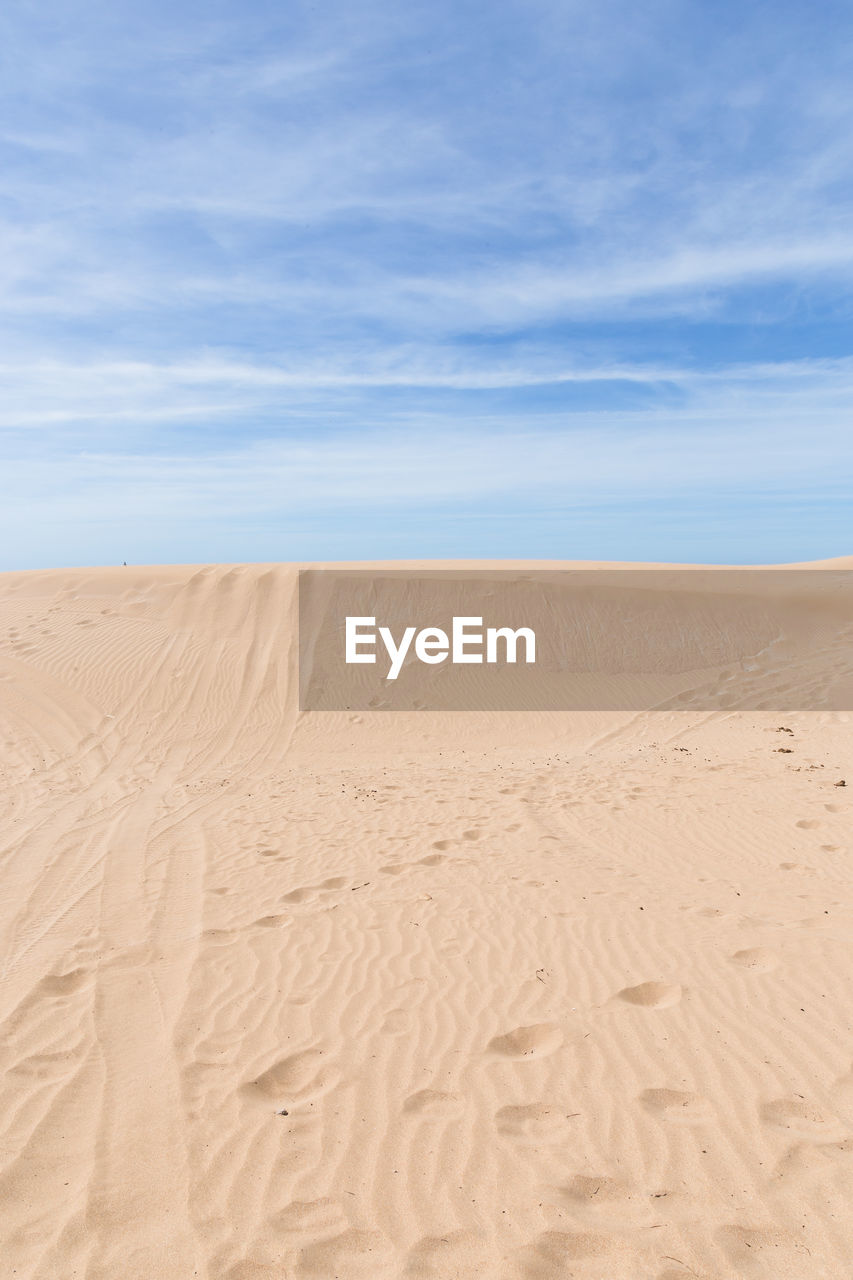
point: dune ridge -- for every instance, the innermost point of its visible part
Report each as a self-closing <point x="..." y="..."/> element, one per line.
<point x="508" y="995"/>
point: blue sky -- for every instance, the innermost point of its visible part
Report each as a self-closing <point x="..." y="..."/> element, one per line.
<point x="290" y="281"/>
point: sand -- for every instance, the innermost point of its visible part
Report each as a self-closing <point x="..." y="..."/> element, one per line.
<point x="515" y="996"/>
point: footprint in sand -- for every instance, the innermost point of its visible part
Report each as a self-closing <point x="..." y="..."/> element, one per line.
<point x="551" y="1252"/>
<point x="431" y="860"/>
<point x="39" y="1069"/>
<point x="588" y="1190"/>
<point x="456" y="1253"/>
<point x="538" y="1123"/>
<point x="528" y="1042"/>
<point x="299" y="1077"/>
<point x="798" y="1115"/>
<point x="810" y="1160"/>
<point x="766" y="1247"/>
<point x="358" y="1255"/>
<point x="652" y="995"/>
<point x="217" y="937"/>
<point x="395" y="1022"/>
<point x="757" y="958"/>
<point x="272" y="922"/>
<point x="472" y="834"/>
<point x="64" y="984"/>
<point x="431" y="1102"/>
<point x="808" y="824"/>
<point x="297" y="895"/>
<point x="676" y="1105"/>
<point x="600" y="1198"/>
<point x="323" y="1217"/>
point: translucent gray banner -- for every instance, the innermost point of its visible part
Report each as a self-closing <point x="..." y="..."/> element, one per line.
<point x="575" y="639"/>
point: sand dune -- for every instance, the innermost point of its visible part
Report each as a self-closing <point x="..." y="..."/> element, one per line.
<point x="517" y="996"/>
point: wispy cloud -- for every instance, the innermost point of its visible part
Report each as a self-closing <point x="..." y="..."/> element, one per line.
<point x="46" y="393"/>
<point x="298" y="244"/>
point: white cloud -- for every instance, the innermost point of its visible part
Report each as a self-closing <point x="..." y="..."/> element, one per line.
<point x="297" y="250"/>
